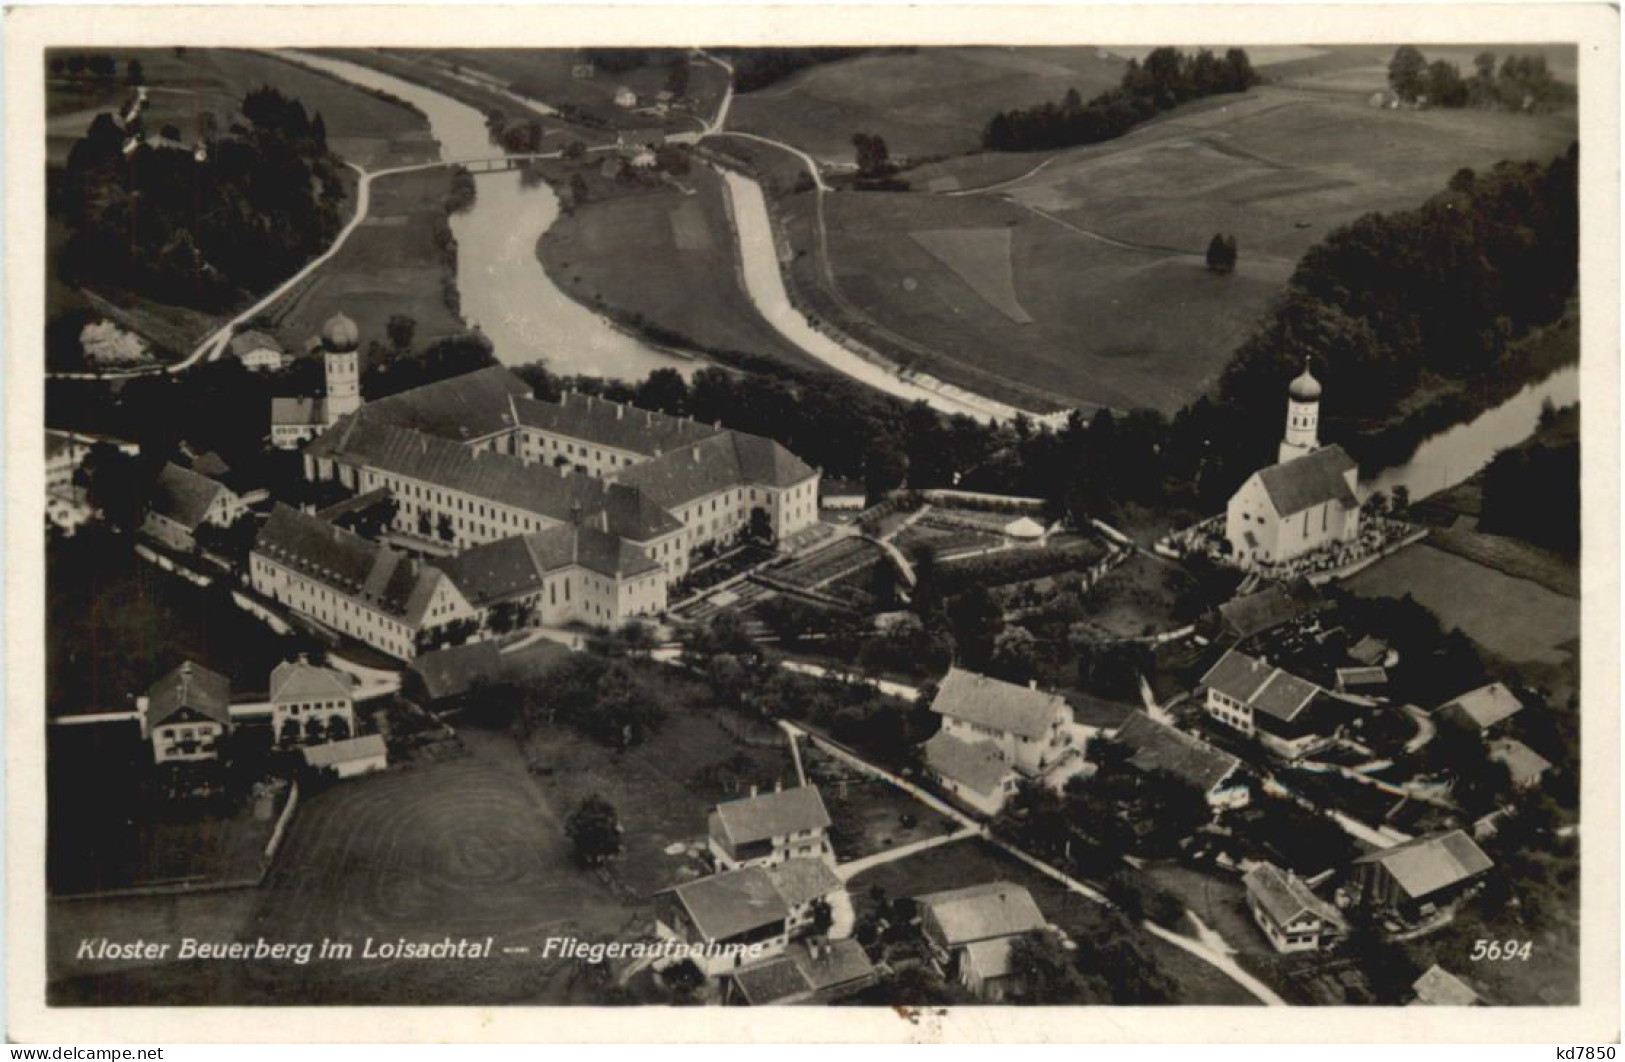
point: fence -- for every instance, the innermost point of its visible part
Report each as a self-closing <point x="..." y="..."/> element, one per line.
<point x="282" y="821"/>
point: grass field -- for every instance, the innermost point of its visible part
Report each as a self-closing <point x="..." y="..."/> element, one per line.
<point x="934" y="101"/>
<point x="1514" y="618"/>
<point x="664" y="256"/>
<point x="974" y="862"/>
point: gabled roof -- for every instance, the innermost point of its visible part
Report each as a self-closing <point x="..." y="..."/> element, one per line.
<point x="294" y="680"/>
<point x="996" y="704"/>
<point x="768" y="815"/>
<point x="1270" y="607"/>
<point x="1370" y="651"/>
<point x="1439" y="987"/>
<point x="774" y="981"/>
<point x="358" y="568"/>
<point x="333" y="753"/>
<point x="461" y="408"/>
<point x="517" y="566"/>
<point x="189" y="691"/>
<point x="183" y="496"/>
<point x="1311" y="480"/>
<point x="1159" y="747"/>
<point x="975" y="765"/>
<point x="801" y="881"/>
<point x="1285" y="897"/>
<point x="1260" y="685"/>
<point x="1427" y="864"/>
<point x="590" y="418"/>
<point x="1522" y="762"/>
<point x="1484" y="707"/>
<point x="737" y="901"/>
<point x="990" y="959"/>
<point x="721" y="462"/>
<point x="454" y="671"/>
<point x="248" y="342"/>
<point x="298" y="412"/>
<point x="982" y="912"/>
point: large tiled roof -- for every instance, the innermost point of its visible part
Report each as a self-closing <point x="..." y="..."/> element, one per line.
<point x="183" y="496"/>
<point x="592" y="419"/>
<point x="722" y="462"/>
<point x="1427" y="864"/>
<point x="794" y="976"/>
<point x="1483" y="707"/>
<point x="190" y="689"/>
<point x="982" y="912"/>
<point x="1159" y="747"/>
<point x="774" y="981"/>
<point x="975" y="765"/>
<point x="300" y="412"/>
<point x="802" y="881"/>
<point x="1248" y="614"/>
<point x="1311" y="480"/>
<point x="768" y="815"/>
<point x="516" y="566"/>
<point x="496" y="477"/>
<point x="725" y="905"/>
<point x="1523" y="763"/>
<point x="297" y="680"/>
<point x="333" y="753"/>
<point x="248" y="342"/>
<point x="998" y="705"/>
<point x="462" y="408"/>
<point x="1439" y="987"/>
<point x="1285" y="896"/>
<point x="376" y="575"/>
<point x="1260" y="685"/>
<point x="454" y="671"/>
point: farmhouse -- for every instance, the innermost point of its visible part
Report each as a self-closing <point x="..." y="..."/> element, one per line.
<point x="1156" y="746"/>
<point x="1029" y="728"/>
<point x="183" y="501"/>
<point x="1418" y="878"/>
<point x="295" y="421"/>
<point x="1303" y="503"/>
<point x="350" y="757"/>
<point x="351" y="585"/>
<point x="625" y="98"/>
<point x="1525" y="766"/>
<point x="972" y="771"/>
<point x="186" y="713"/>
<point x="445" y="675"/>
<point x="1482" y="710"/>
<point x="311" y="702"/>
<point x="746" y="915"/>
<point x="1289" y="913"/>
<point x="257" y="351"/>
<point x="1286" y="714"/>
<point x="974" y="928"/>
<point x="1246" y="615"/>
<point x="762" y="830"/>
<point x="816" y="970"/>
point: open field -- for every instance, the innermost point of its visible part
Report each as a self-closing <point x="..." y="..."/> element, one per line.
<point x="1514" y="618"/>
<point x="663" y="256"/>
<point x="867" y="815"/>
<point x="974" y="862"/>
<point x="663" y="788"/>
<point x="933" y="101"/>
<point x="1098" y="233"/>
<point x="1363" y="69"/>
<point x="1139" y="597"/>
<point x="463" y="848"/>
<point x="392" y="264"/>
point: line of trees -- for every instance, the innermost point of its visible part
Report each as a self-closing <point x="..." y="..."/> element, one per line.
<point x="1516" y="82"/>
<point x="1167" y="78"/>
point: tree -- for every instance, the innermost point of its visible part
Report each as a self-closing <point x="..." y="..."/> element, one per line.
<point x="594" y="830"/>
<point x="1221" y="253"/>
<point x="761" y="525"/>
<point x="315" y="729"/>
<point x="1046" y="971"/>
<point x="338" y="729"/>
<point x="884" y="467"/>
<point x="677" y="77"/>
<point x="133" y="74"/>
<point x="874" y="158"/>
<point x="401" y="330"/>
<point x="574" y="150"/>
<point x="1407" y="73"/>
<point x="579" y="191"/>
<point x="289" y="732"/>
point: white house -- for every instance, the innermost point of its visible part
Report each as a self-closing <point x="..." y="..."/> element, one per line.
<point x="769" y="828"/>
<point x="1157" y="746"/>
<point x="257" y="351"/>
<point x="186" y="714"/>
<point x="973" y="929"/>
<point x="972" y="771"/>
<point x="1287" y="910"/>
<point x="1288" y="715"/>
<point x="350" y="757"/>
<point x="1029" y="727"/>
<point x="1305" y="502"/>
<point x="625" y="98"/>
<point x="307" y="700"/>
<point x="296" y="421"/>
<point x="740" y="917"/>
<point x="183" y="501"/>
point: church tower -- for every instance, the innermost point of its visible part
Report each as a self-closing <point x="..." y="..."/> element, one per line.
<point x="339" y="342"/>
<point x="1302" y="417"/>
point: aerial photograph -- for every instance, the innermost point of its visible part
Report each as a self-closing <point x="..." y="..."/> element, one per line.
<point x="741" y="526"/>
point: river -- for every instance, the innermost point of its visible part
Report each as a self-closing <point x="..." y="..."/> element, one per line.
<point x="1458" y="453"/>
<point x="504" y="289"/>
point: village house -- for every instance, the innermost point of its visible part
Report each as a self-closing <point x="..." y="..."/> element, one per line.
<point x="1157" y="746"/>
<point x="1524" y="765"/>
<point x="310" y="702"/>
<point x="744" y="916"/>
<point x="1246" y="615"/>
<point x="1480" y="711"/>
<point x="993" y="734"/>
<point x="350" y="757"/>
<point x="183" y="501"/>
<point x="972" y="930"/>
<point x="768" y="828"/>
<point x="1305" y="502"/>
<point x="186" y="714"/>
<point x="634" y="143"/>
<point x="812" y="971"/>
<point x="348" y="584"/>
<point x="973" y="772"/>
<point x="444" y="677"/>
<point x="1438" y="987"/>
<point x="1289" y="912"/>
<point x="1288" y="715"/>
<point x="296" y="421"/>
<point x="1417" y="879"/>
<point x="257" y="351"/>
<point x="625" y="98"/>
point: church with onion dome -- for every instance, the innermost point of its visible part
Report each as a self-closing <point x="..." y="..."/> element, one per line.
<point x="1305" y="502"/>
<point x="296" y="421"/>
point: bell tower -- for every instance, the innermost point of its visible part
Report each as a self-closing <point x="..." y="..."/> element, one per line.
<point x="340" y="340"/>
<point x="1302" y="417"/>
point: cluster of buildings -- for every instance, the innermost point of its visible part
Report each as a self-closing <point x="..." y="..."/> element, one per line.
<point x="576" y="511"/>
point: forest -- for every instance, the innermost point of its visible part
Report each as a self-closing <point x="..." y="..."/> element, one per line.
<point x="1516" y="82"/>
<point x="1167" y="78"/>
